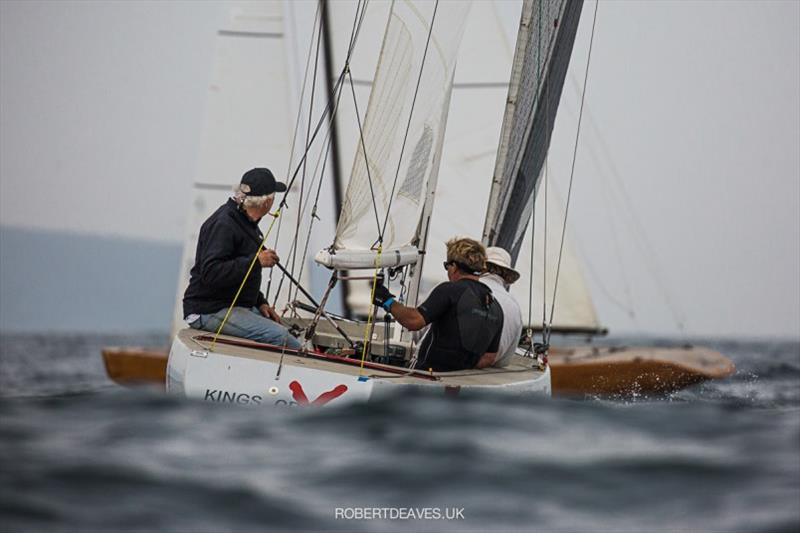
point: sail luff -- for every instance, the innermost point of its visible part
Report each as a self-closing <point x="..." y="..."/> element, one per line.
<point x="523" y="41"/>
<point x="521" y="157"/>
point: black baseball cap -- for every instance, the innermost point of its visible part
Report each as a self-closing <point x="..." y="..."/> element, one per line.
<point x="261" y="182"/>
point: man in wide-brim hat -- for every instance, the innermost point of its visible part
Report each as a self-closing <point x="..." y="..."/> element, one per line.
<point x="499" y="275"/>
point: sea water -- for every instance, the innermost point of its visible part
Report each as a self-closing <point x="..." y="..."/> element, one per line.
<point x="78" y="453"/>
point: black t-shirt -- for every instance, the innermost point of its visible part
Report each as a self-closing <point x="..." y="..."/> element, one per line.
<point x="466" y="322"/>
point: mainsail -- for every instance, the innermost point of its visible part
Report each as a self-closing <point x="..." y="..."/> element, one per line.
<point x="396" y="166"/>
<point x="544" y="46"/>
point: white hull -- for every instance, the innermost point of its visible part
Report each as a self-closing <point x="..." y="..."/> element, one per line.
<point x="252" y="373"/>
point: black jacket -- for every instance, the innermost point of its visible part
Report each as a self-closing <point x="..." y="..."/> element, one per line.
<point x="227" y="243"/>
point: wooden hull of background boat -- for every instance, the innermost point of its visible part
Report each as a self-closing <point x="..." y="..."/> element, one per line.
<point x="574" y="371"/>
<point x="130" y="365"/>
<point x="628" y="371"/>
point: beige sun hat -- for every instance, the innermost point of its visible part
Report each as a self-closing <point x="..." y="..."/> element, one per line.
<point x="499" y="257"/>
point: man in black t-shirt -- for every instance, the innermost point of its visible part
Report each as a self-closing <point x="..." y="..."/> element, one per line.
<point x="466" y="321"/>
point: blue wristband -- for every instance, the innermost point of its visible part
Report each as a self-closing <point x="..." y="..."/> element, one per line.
<point x="387" y="305"/>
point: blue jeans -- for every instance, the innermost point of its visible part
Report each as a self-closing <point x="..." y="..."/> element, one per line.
<point x="247" y="324"/>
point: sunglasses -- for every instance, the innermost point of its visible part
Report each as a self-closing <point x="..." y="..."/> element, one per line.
<point x="461" y="266"/>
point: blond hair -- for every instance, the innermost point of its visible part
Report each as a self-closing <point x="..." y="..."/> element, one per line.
<point x="467" y="252"/>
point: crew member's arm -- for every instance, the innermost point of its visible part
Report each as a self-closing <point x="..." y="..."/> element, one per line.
<point x="220" y="264"/>
<point x="488" y="358"/>
<point x="408" y="317"/>
<point x="266" y="310"/>
<point x="269" y="312"/>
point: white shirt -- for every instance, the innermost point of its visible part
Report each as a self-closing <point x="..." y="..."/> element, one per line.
<point x="512" y="318"/>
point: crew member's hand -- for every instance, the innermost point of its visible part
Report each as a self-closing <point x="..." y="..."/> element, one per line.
<point x="268" y="258"/>
<point x="269" y="312"/>
<point x="382" y="295"/>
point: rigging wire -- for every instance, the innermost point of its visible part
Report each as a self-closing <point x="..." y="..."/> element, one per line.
<point x="371" y="313"/>
<point x="642" y="242"/>
<point x="608" y="193"/>
<point x="358" y="120"/>
<point x="303" y="208"/>
<point x="293" y="249"/>
<point x="624" y="306"/>
<point x="294" y="139"/>
<point x="311" y="222"/>
<point x="276" y="216"/>
<point x="356" y="30"/>
<point x="366" y="159"/>
<point x="572" y="174"/>
<point x="548" y="129"/>
<point x="549" y="120"/>
<point x="381" y="229"/>
<point x="328" y="144"/>
<point x="408" y="125"/>
<point x="337" y="90"/>
<point x="618" y="254"/>
<point x="529" y="329"/>
<point x="308" y="131"/>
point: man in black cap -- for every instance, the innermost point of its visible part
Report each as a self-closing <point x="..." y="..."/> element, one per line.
<point x="228" y="241"/>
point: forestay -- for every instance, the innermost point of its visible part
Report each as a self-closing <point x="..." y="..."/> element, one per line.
<point x="385" y="198"/>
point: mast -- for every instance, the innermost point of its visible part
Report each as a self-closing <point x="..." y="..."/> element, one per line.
<point x="334" y="132"/>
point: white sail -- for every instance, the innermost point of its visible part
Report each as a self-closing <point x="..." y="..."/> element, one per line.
<point x="468" y="158"/>
<point x="386" y="193"/>
<point x="574" y="310"/>
<point x="248" y="122"/>
<point x="470" y="146"/>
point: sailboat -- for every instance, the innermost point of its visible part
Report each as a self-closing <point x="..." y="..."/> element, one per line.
<point x="227" y="369"/>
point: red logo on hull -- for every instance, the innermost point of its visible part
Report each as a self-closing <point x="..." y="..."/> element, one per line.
<point x="300" y="397"/>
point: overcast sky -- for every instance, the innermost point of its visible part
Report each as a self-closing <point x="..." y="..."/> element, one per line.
<point x="693" y="114"/>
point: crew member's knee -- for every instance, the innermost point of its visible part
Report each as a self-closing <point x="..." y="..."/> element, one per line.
<point x="293" y="342"/>
<point x="272" y="333"/>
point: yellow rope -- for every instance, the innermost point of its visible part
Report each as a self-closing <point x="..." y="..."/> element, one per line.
<point x="249" y="269"/>
<point x="371" y="313"/>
